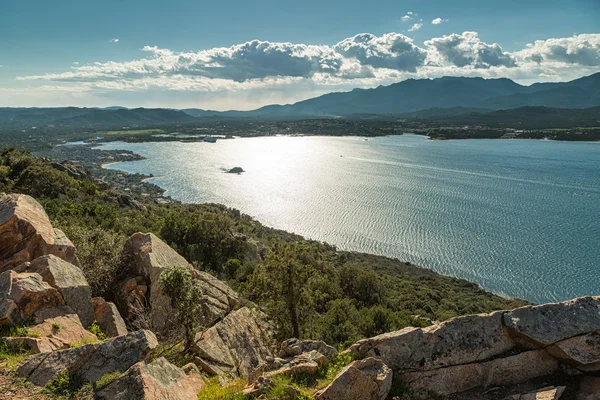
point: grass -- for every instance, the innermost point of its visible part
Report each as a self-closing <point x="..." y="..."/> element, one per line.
<point x="106" y="380"/>
<point x="18" y="331"/>
<point x="12" y="356"/>
<point x="214" y="391"/>
<point x="134" y="132"/>
<point x="68" y="386"/>
<point x="96" y="330"/>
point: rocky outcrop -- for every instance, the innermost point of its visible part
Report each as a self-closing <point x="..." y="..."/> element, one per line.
<point x="21" y="295"/>
<point x="69" y="281"/>
<point x="538" y="327"/>
<point x="108" y="318"/>
<point x="459" y="340"/>
<point x="368" y="379"/>
<point x="26" y="233"/>
<point x="89" y="362"/>
<point x="295" y="357"/>
<point x="488" y="350"/>
<point x="236" y="345"/>
<point x="147" y="257"/>
<point x="62" y="325"/>
<point x="34" y="345"/>
<point x="156" y="380"/>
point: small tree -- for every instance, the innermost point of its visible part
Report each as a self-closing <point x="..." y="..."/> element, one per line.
<point x="186" y="297"/>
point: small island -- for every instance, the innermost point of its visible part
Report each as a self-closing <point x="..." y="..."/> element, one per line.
<point x="236" y="170"/>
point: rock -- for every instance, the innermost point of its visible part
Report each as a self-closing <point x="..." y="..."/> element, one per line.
<point x="460" y="340"/>
<point x="148" y="257"/>
<point x="62" y="324"/>
<point x="368" y="379"/>
<point x="131" y="297"/>
<point x="581" y="352"/>
<point x="91" y="361"/>
<point x="589" y="388"/>
<point x="156" y="380"/>
<point x="74" y="170"/>
<point x="21" y="295"/>
<point x="258" y="388"/>
<point x="34" y="345"/>
<point x="547" y="393"/>
<point x="546" y="324"/>
<point x="108" y="318"/>
<point x="295" y="347"/>
<point x="236" y="345"/>
<point x="303" y="364"/>
<point x="69" y="281"/>
<point x="26" y="233"/>
<point x="506" y="371"/>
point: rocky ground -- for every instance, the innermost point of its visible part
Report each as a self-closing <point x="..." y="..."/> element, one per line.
<point x="58" y="341"/>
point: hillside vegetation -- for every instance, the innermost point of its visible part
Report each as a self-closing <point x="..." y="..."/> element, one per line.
<point x="308" y="288"/>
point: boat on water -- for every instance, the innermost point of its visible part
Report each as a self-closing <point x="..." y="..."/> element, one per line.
<point x="210" y="139"/>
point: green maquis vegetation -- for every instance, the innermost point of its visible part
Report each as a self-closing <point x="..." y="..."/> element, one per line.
<point x="310" y="289"/>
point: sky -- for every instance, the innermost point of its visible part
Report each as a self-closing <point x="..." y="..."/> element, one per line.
<point x="232" y="54"/>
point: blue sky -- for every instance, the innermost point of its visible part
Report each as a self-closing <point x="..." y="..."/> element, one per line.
<point x="49" y="50"/>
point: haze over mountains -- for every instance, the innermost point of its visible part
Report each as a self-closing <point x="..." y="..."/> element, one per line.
<point x="446" y="96"/>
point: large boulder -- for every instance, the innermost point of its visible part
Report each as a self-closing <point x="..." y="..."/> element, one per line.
<point x="22" y="295"/>
<point x="26" y="233"/>
<point x="91" y="361"/>
<point x="460" y="340"/>
<point x="582" y="352"/>
<point x="61" y="324"/>
<point x="156" y="380"/>
<point x="108" y="317"/>
<point x="505" y="371"/>
<point x="295" y="347"/>
<point x="546" y="324"/>
<point x="147" y="257"/>
<point x="69" y="281"/>
<point x="33" y="344"/>
<point x="236" y="345"/>
<point x="368" y="379"/>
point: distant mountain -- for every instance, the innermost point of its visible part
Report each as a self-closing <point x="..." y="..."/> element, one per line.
<point x="114" y="117"/>
<point x="414" y="95"/>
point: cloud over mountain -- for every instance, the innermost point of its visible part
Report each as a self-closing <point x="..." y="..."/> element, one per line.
<point x="583" y="49"/>
<point x="468" y="50"/>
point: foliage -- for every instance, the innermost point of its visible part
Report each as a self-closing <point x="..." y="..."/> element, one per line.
<point x="96" y="330"/>
<point x="186" y="299"/>
<point x="65" y="385"/>
<point x="214" y="391"/>
<point x="106" y="380"/>
<point x="12" y="356"/>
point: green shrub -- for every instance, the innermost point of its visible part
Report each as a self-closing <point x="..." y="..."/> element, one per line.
<point x="213" y="390"/>
<point x="106" y="380"/>
<point x="96" y="330"/>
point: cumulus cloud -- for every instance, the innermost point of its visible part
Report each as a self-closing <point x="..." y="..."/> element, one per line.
<point x="296" y="71"/>
<point x="415" y="27"/>
<point x="114" y="40"/>
<point x="581" y="49"/>
<point x="391" y="50"/>
<point x="438" y="21"/>
<point x="467" y="49"/>
<point x="409" y="15"/>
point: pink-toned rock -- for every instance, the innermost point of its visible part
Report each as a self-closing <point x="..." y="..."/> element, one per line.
<point x="69" y="280"/>
<point x="22" y="295"/>
<point x="61" y="324"/>
<point x="26" y="233"/>
<point x="368" y="379"/>
<point x="33" y="344"/>
<point x="89" y="362"/>
<point x="156" y="380"/>
<point x="108" y="317"/>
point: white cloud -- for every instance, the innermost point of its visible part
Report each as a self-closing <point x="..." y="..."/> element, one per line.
<point x="438" y="21"/>
<point x="467" y="50"/>
<point x="415" y="27"/>
<point x="255" y="73"/>
<point x="409" y="15"/>
<point x="114" y="40"/>
<point x="580" y="49"/>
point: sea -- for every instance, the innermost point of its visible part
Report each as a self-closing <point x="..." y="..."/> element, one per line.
<point x="519" y="217"/>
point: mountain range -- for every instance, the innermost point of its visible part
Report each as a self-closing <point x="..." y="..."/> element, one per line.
<point x="446" y="96"/>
